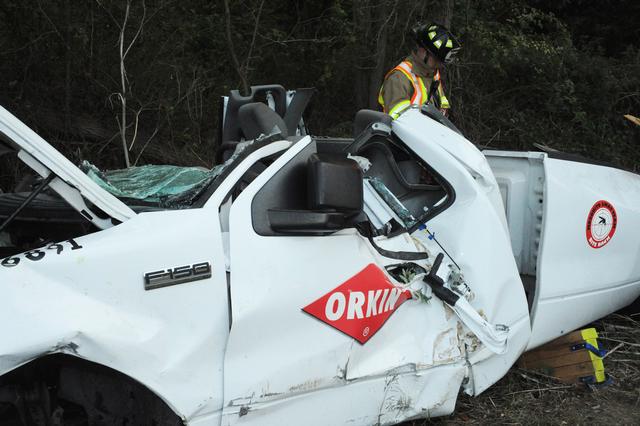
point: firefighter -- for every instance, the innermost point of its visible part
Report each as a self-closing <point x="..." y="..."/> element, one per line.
<point x="417" y="80"/>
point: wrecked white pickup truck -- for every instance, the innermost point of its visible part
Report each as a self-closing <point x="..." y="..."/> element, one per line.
<point x="309" y="280"/>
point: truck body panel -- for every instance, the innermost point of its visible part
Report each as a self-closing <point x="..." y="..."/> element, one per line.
<point x="86" y="298"/>
<point x="573" y="231"/>
<point x="232" y="315"/>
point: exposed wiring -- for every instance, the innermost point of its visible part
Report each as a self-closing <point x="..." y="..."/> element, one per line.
<point x="433" y="237"/>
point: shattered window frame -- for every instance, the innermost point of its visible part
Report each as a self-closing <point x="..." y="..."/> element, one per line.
<point x="437" y="208"/>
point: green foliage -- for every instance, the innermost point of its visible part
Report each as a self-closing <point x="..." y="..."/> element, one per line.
<point x="557" y="73"/>
<point x="524" y="80"/>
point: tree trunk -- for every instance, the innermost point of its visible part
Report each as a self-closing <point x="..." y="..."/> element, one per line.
<point x="232" y="50"/>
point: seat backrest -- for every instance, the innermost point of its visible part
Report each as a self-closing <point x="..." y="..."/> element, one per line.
<point x="230" y="131"/>
<point x="257" y="119"/>
<point x="365" y="117"/>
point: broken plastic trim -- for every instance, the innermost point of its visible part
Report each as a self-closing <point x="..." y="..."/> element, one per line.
<point x="494" y="337"/>
<point x="437" y="284"/>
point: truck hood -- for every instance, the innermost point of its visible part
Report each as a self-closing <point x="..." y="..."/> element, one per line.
<point x="68" y="181"/>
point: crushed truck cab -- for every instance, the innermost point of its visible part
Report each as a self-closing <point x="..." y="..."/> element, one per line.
<point x="321" y="280"/>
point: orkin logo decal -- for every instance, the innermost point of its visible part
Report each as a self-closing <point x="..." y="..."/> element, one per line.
<point x="360" y="306"/>
<point x="602" y="222"/>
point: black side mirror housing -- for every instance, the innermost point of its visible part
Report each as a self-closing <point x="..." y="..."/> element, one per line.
<point x="334" y="183"/>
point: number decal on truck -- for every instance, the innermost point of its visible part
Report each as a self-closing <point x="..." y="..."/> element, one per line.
<point x="10" y="262"/>
<point x="602" y="222"/>
<point x="37" y="255"/>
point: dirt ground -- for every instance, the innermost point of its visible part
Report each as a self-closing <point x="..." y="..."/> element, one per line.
<point x="528" y="397"/>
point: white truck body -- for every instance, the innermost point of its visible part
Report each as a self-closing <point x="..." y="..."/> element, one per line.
<point x="245" y="344"/>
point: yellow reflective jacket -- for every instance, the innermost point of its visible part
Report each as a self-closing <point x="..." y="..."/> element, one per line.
<point x="406" y="85"/>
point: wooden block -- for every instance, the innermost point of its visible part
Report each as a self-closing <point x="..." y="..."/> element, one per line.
<point x="562" y="341"/>
<point x="556" y="358"/>
<point x="553" y="358"/>
<point x="573" y="373"/>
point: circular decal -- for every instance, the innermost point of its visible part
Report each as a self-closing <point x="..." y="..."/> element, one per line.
<point x="601" y="224"/>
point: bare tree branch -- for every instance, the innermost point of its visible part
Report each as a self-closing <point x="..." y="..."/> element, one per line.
<point x="253" y="38"/>
<point x="155" y="132"/>
<point x="142" y="22"/>
<point x="32" y="42"/>
<point x="55" y="28"/>
<point x="123" y="87"/>
<point x="232" y="51"/>
<point x="115" y="21"/>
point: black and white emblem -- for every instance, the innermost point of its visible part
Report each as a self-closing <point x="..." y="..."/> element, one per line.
<point x="178" y="275"/>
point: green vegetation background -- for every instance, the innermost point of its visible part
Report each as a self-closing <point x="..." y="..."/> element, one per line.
<point x="560" y="73"/>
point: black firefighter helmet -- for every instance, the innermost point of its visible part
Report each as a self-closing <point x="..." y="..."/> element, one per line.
<point x="438" y="40"/>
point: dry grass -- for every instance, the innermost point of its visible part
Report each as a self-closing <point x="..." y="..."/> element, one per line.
<point x="527" y="397"/>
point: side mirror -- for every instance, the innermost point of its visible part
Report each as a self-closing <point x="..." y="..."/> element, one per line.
<point x="334" y="196"/>
<point x="334" y="183"/>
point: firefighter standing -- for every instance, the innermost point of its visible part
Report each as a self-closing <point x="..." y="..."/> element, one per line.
<point x="416" y="80"/>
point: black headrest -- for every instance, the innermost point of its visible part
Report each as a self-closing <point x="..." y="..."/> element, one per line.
<point x="257" y="119"/>
<point x="366" y="117"/>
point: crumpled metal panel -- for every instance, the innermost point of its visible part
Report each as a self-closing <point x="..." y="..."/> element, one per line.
<point x="86" y="298"/>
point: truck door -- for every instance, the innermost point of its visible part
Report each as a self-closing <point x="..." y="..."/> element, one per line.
<point x="474" y="232"/>
<point x="302" y="305"/>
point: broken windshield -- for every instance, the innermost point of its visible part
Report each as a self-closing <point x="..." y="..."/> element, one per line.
<point x="165" y="186"/>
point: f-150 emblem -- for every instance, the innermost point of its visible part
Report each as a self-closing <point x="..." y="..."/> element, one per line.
<point x="360" y="306"/>
<point x="178" y="275"/>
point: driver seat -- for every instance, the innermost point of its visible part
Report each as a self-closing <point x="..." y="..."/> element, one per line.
<point x="254" y="119"/>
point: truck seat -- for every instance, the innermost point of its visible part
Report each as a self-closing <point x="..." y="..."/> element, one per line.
<point x="257" y="119"/>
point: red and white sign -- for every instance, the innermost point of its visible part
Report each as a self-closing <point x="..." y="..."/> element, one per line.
<point x="360" y="306"/>
<point x="601" y="224"/>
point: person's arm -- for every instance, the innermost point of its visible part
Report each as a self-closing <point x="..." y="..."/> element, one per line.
<point x="396" y="92"/>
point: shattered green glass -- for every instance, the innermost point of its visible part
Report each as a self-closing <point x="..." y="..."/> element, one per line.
<point x="170" y="187"/>
<point x="166" y="186"/>
<point x="398" y="208"/>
